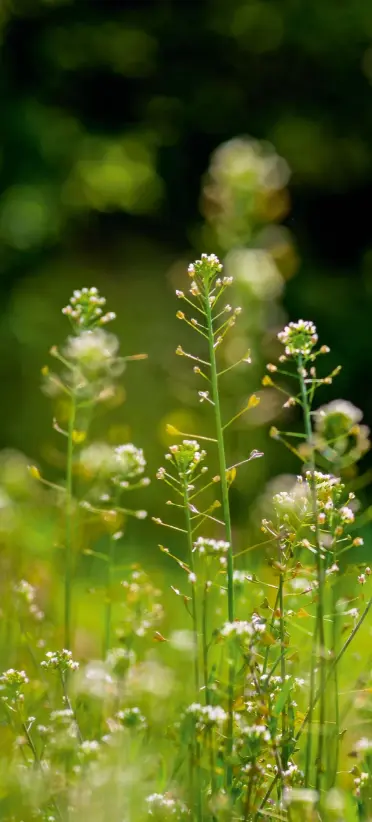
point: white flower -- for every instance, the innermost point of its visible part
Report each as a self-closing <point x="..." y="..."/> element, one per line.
<point x="93" y="350"/>
<point x="299" y="338"/>
<point x="242" y="628"/>
<point x="207" y="715"/>
<point x="347" y="514"/>
<point x="211" y="547"/>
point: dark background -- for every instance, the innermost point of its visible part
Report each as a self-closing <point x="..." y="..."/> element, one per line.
<point x="110" y="116"/>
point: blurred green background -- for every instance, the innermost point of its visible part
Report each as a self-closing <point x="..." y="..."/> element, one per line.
<point x="135" y="135"/>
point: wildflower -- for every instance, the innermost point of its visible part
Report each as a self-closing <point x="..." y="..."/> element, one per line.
<point x="211" y="547"/>
<point x="59" y="660"/>
<point x="243" y="628"/>
<point x="347" y="514"/>
<point x="207" y="716"/>
<point x="132" y="718"/>
<point x="94" y="351"/>
<point x="85" y="309"/>
<point x="299" y="338"/>
<point x="186" y="457"/>
<point x="129" y="461"/>
<point x="206" y="268"/>
<point x="12" y="683"/>
<point x="163" y="805"/>
<point x="338" y="434"/>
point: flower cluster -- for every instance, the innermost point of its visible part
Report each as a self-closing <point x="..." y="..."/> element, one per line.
<point x="186" y="457"/>
<point x="61" y="661"/>
<point x="207" y="716"/>
<point x="299" y="338"/>
<point x="163" y="805"/>
<point x="211" y="549"/>
<point x="206" y="268"/>
<point x="132" y="718"/>
<point x="85" y="309"/>
<point x="112" y="468"/>
<point x="12" y="685"/>
<point x="94" y="352"/>
<point x="242" y="629"/>
<point x="338" y="435"/>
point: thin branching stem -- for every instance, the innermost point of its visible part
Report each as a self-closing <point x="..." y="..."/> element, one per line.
<point x="199" y="806"/>
<point x="226" y="514"/>
<point x="320" y="578"/>
<point x="69" y="524"/>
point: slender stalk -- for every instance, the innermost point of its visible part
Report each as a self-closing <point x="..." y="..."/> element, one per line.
<point x="284" y="745"/>
<point x="199" y="806"/>
<point x="108" y="604"/>
<point x="315" y="701"/>
<point x="205" y="646"/>
<point x="248" y="796"/>
<point x="321" y="579"/>
<point x="193" y="595"/>
<point x="68" y="531"/>
<point x="109" y="580"/>
<point x="221" y="457"/>
<point x="309" y="739"/>
<point x="69" y="706"/>
<point x="226" y="516"/>
<point x="335" y="695"/>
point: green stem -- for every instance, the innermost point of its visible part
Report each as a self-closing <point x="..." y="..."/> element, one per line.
<point x="247" y="804"/>
<point x="320" y="576"/>
<point x="284" y="745"/>
<point x="67" y="701"/>
<point x="199" y="806"/>
<point x="311" y="700"/>
<point x="193" y="594"/>
<point x="221" y="458"/>
<point x="68" y="537"/>
<point x="335" y="692"/>
<point x="206" y="683"/>
<point x="205" y="646"/>
<point x="108" y="606"/>
<point x="226" y="517"/>
<point x="315" y="701"/>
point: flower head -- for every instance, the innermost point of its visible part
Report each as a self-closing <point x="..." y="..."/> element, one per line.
<point x="12" y="684"/>
<point x="85" y="309"/>
<point x="186" y="457"/>
<point x="299" y="338"/>
<point x="94" y="351"/>
<point x="61" y="661"/>
<point x="206" y="268"/>
<point x="338" y="434"/>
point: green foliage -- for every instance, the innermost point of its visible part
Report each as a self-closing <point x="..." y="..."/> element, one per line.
<point x="260" y="730"/>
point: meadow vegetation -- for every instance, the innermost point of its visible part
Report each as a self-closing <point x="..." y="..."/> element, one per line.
<point x="235" y="695"/>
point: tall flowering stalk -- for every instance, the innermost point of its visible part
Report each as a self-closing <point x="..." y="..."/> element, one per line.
<point x="90" y="365"/>
<point x="314" y="519"/>
<point x="213" y="322"/>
